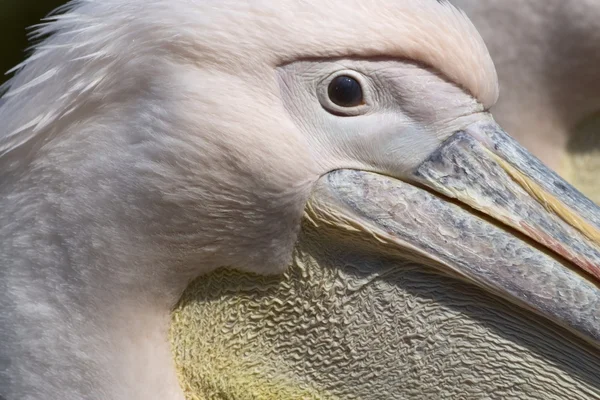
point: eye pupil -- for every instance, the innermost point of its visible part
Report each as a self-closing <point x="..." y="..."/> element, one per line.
<point x="345" y="91"/>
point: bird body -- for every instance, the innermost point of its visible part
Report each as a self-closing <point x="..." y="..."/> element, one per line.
<point x="146" y="144"/>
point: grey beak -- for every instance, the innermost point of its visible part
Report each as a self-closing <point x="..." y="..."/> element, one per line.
<point x="484" y="210"/>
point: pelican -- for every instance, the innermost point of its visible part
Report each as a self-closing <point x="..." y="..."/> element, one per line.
<point x="547" y="59"/>
<point x="327" y="174"/>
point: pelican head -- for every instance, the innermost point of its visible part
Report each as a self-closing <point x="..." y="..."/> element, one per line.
<point x="146" y="143"/>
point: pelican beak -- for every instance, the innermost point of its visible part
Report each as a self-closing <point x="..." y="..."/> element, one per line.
<point x="483" y="209"/>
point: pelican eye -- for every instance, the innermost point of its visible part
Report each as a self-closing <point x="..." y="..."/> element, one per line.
<point x="345" y="91"/>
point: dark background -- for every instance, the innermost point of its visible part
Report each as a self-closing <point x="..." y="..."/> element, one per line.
<point x="15" y="17"/>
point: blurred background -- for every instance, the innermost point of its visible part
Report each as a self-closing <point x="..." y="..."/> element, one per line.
<point x="15" y="17"/>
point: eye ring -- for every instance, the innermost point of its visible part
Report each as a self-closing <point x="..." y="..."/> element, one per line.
<point x="345" y="93"/>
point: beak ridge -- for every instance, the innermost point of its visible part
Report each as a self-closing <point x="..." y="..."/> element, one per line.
<point x="467" y="169"/>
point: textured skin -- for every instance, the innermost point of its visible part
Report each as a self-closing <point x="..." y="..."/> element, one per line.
<point x="342" y="324"/>
<point x="352" y="319"/>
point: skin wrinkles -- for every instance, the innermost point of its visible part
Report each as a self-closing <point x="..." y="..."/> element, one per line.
<point x="420" y="334"/>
